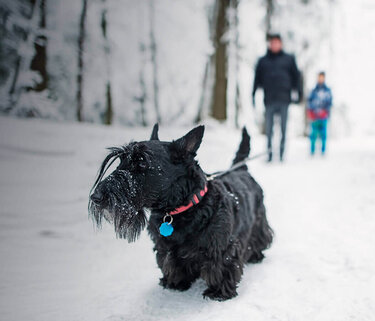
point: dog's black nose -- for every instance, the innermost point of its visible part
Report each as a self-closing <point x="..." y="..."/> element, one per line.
<point x="97" y="197"/>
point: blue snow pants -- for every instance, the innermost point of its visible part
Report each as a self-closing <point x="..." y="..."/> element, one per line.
<point x="318" y="129"/>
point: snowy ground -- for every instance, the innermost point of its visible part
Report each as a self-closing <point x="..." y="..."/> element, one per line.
<point x="55" y="266"/>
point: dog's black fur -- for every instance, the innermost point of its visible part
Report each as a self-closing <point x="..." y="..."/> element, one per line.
<point x="213" y="239"/>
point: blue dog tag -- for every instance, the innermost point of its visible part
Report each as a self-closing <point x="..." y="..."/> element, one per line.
<point x="166" y="229"/>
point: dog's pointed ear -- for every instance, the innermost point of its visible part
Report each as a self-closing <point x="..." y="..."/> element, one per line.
<point x="190" y="143"/>
<point x="154" y="135"/>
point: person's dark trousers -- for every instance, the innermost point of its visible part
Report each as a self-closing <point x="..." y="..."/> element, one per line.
<point x="271" y="111"/>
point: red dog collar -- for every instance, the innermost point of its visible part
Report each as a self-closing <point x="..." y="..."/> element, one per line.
<point x="196" y="199"/>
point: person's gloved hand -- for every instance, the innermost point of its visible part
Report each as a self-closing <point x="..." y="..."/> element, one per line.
<point x="296" y="97"/>
<point x="322" y="113"/>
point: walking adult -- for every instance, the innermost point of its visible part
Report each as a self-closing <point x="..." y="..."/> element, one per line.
<point x="278" y="75"/>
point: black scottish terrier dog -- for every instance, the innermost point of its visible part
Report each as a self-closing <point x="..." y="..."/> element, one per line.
<point x="201" y="227"/>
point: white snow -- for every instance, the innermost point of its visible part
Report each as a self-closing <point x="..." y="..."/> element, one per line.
<point x="56" y="266"/>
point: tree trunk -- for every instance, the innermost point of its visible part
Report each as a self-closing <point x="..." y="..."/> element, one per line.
<point x="39" y="62"/>
<point x="21" y="63"/>
<point x="219" y="101"/>
<point x="202" y="99"/>
<point x="142" y="98"/>
<point x="108" y="115"/>
<point x="15" y="76"/>
<point x="208" y="80"/>
<point x="154" y="61"/>
<point x="269" y="15"/>
<point x="142" y="84"/>
<point x="81" y="42"/>
<point x="237" y="99"/>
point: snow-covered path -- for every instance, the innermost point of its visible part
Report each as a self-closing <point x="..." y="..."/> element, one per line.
<point x="55" y="266"/>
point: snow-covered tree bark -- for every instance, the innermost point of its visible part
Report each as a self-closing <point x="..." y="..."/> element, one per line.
<point x="237" y="101"/>
<point x="26" y="20"/>
<point x="219" y="99"/>
<point x="202" y="99"/>
<point x="108" y="99"/>
<point x="81" y="44"/>
<point x="39" y="61"/>
<point x="208" y="80"/>
<point x="154" y="61"/>
<point x="269" y="15"/>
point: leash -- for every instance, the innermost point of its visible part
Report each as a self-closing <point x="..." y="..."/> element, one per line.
<point x="166" y="229"/>
<point x="212" y="176"/>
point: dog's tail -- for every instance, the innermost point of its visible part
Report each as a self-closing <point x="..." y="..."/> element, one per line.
<point x="244" y="149"/>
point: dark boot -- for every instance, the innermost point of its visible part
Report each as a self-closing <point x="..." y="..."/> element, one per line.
<point x="281" y="154"/>
<point x="269" y="160"/>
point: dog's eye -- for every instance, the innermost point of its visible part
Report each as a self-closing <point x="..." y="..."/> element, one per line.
<point x="141" y="164"/>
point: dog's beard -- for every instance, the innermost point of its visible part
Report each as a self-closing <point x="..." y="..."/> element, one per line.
<point x="127" y="217"/>
<point x="128" y="222"/>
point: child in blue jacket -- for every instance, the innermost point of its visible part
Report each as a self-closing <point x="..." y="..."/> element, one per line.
<point x="318" y="107"/>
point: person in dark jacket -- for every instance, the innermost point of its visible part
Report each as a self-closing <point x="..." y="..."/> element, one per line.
<point x="318" y="108"/>
<point x="278" y="75"/>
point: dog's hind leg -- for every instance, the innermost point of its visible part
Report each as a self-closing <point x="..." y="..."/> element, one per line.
<point x="261" y="237"/>
<point x="223" y="275"/>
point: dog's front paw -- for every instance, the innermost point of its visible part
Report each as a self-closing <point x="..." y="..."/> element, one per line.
<point x="256" y="257"/>
<point x="181" y="286"/>
<point x="218" y="295"/>
<point x="163" y="282"/>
